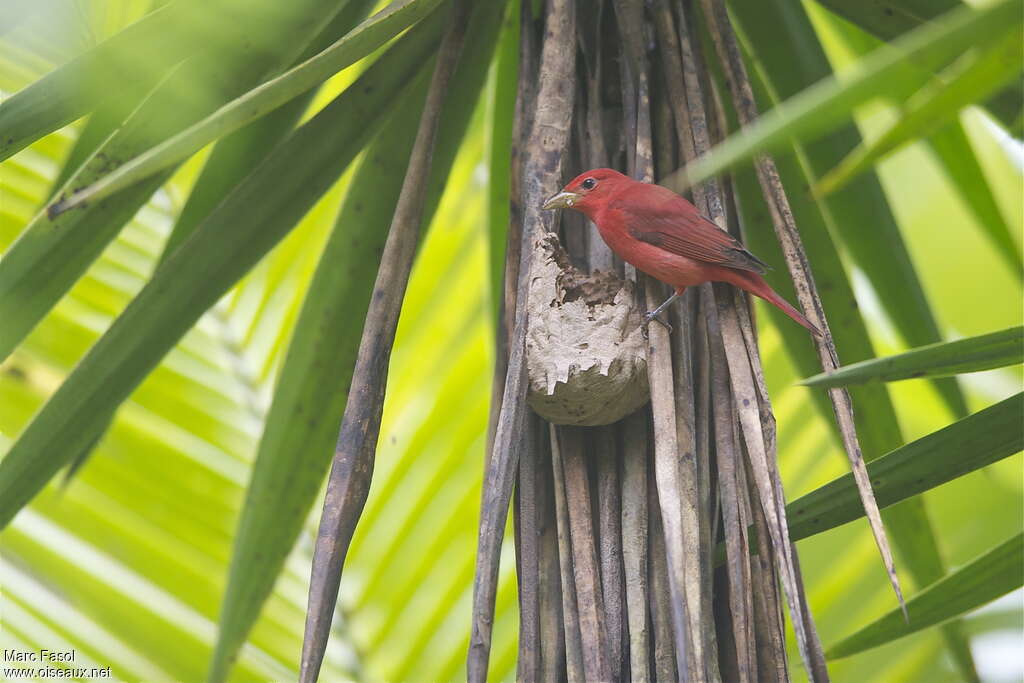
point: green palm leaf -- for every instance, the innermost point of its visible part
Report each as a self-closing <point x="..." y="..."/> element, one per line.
<point x="794" y="63"/>
<point x="975" y="354"/>
<point x="892" y="18"/>
<point x="830" y="102"/>
<point x="141" y="53"/>
<point x="988" y="577"/>
<point x="960" y="162"/>
<point x="303" y="420"/>
<point x="993" y="67"/>
<point x="964" y="446"/>
<point x="50" y="255"/>
<point x="265" y="206"/>
<point x="355" y="45"/>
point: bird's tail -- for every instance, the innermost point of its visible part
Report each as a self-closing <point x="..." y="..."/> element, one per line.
<point x="756" y="285"/>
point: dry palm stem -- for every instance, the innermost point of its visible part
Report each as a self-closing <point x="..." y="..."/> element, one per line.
<point x="530" y="504"/>
<point x="662" y="638"/>
<point x="695" y="462"/>
<point x="521" y="122"/>
<point x="677" y="502"/>
<point x="800" y="271"/>
<point x="690" y="357"/>
<point x="541" y="171"/>
<point x="645" y="575"/>
<point x="608" y="585"/>
<point x="728" y="460"/>
<point x="676" y="479"/>
<point x="352" y="469"/>
<point x="552" y="640"/>
<point x="571" y="616"/>
<point x="758" y="640"/>
<point x="527" y="528"/>
<point x="594" y="153"/>
<point x="609" y="513"/>
<point x="599" y="256"/>
<point x="744" y="365"/>
<point x="770" y="651"/>
<point x="589" y="605"/>
<point x="635" y="551"/>
<point x="771" y="643"/>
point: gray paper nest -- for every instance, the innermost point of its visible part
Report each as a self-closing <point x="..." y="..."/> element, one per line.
<point x="585" y="352"/>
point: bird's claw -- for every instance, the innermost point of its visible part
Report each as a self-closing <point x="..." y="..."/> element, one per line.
<point x="649" y="316"/>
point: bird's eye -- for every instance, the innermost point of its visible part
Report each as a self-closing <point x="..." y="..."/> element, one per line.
<point x="589" y="184"/>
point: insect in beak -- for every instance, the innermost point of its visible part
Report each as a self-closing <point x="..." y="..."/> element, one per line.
<point x="562" y="200"/>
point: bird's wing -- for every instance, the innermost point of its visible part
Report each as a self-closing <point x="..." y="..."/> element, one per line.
<point x="666" y="220"/>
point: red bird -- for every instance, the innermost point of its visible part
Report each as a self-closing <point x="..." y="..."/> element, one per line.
<point x="665" y="236"/>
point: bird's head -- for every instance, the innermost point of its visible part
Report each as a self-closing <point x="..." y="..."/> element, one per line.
<point x="588" y="190"/>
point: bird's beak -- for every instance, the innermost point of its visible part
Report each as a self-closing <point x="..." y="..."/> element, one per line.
<point x="562" y="200"/>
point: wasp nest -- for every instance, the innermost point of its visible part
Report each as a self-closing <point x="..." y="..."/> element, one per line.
<point x="585" y="351"/>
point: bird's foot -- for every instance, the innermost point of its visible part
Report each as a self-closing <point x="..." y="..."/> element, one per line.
<point x="652" y="315"/>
